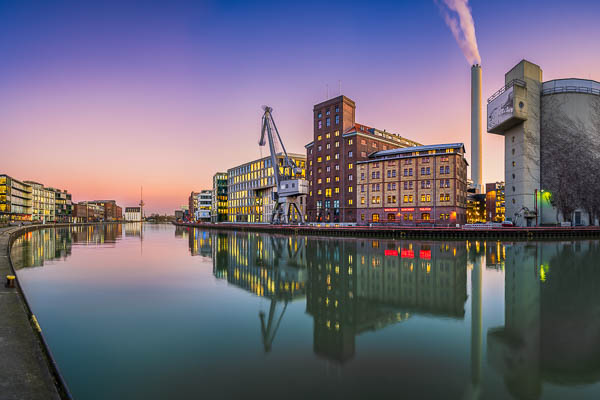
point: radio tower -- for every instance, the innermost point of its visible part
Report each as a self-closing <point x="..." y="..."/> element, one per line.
<point x="141" y="203"/>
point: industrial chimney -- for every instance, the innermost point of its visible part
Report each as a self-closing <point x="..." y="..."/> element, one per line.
<point x="476" y="175"/>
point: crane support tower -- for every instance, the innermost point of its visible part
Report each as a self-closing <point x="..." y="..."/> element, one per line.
<point x="291" y="188"/>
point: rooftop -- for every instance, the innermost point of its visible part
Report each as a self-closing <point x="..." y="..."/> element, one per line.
<point x="413" y="149"/>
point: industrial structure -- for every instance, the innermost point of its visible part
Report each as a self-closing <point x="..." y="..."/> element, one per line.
<point x="551" y="132"/>
<point x="133" y="214"/>
<point x="291" y="187"/>
<point x="476" y="153"/>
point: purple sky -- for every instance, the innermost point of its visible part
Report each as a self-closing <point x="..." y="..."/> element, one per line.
<point x="101" y="98"/>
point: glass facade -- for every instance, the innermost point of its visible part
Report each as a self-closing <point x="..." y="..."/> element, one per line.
<point x="16" y="200"/>
<point x="250" y="188"/>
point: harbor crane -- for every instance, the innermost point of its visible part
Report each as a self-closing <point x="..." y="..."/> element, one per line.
<point x="291" y="189"/>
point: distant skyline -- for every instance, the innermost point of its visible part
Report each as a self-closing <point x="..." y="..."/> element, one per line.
<point x="102" y="98"/>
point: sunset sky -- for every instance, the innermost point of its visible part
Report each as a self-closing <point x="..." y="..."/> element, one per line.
<point x="101" y="98"/>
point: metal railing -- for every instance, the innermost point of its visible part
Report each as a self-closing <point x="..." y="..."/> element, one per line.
<point x="571" y="89"/>
<point x="504" y="88"/>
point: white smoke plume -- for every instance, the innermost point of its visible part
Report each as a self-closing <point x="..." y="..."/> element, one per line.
<point x="457" y="15"/>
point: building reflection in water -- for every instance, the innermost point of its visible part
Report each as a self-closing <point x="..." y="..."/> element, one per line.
<point x="351" y="286"/>
<point x="551" y="331"/>
<point x="365" y="285"/>
<point x="32" y="249"/>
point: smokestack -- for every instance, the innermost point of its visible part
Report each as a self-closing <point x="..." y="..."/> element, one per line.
<point x="476" y="175"/>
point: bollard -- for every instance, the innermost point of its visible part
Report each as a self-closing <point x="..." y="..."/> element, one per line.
<point x="10" y="281"/>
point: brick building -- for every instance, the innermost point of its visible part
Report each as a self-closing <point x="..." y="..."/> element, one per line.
<point x="413" y="185"/>
<point x="338" y="144"/>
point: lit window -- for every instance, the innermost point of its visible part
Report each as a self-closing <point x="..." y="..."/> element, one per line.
<point x="327" y="136"/>
<point x="350" y="166"/>
<point x="319" y="137"/>
<point x="319" y="159"/>
<point x="350" y="141"/>
<point x="350" y="202"/>
<point x="350" y="189"/>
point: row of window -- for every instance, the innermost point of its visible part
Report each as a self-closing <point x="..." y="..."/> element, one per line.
<point x="336" y="203"/>
<point x="408" y="198"/>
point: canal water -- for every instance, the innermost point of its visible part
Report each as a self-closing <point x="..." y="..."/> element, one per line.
<point x="159" y="312"/>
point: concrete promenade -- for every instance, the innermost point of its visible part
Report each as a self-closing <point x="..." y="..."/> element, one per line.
<point x="24" y="368"/>
<point x="412" y="232"/>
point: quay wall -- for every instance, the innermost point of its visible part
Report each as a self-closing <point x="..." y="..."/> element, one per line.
<point x="413" y="232"/>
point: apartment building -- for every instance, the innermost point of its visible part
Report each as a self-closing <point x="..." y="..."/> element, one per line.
<point x="204" y="205"/>
<point x="338" y="144"/>
<point x="495" y="205"/>
<point x="16" y="200"/>
<point x="251" y="187"/>
<point x="43" y="203"/>
<point x="423" y="184"/>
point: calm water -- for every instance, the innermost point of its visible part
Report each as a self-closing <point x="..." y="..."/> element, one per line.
<point x="166" y="313"/>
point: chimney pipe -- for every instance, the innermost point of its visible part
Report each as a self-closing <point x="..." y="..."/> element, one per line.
<point x="476" y="163"/>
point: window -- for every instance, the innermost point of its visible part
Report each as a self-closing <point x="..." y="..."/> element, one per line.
<point x="410" y="172"/>
<point x="327" y="192"/>
<point x="319" y="148"/>
<point x="362" y="200"/>
<point x="319" y="181"/>
<point x="375" y="217"/>
<point x="350" y="177"/>
<point x="447" y="169"/>
<point x="337" y="143"/>
<point x="427" y="171"/>
<point x="423" y="198"/>
<point x="337" y="190"/>
<point x="337" y="166"/>
<point x="425" y="217"/>
<point x="362" y="217"/>
<point x="337" y="178"/>
<point x="363" y="141"/>
<point x="328" y="146"/>
<point x="362" y="176"/>
<point x="350" y="166"/>
<point x="319" y="159"/>
<point x="327" y="157"/>
<point x="327" y="180"/>
<point x="327" y="135"/>
<point x="319" y="124"/>
<point x="337" y="119"/>
<point x="327" y="203"/>
<point x="327" y="121"/>
<point x="337" y="108"/>
<point x="328" y="168"/>
<point x="410" y="198"/>
<point x="349" y="189"/>
<point x="349" y="154"/>
<point x="350" y="202"/>
<point x="319" y="137"/>
<point x="362" y="188"/>
<point x="374" y="144"/>
<point x="422" y="171"/>
<point x="337" y="156"/>
<point x="336" y="204"/>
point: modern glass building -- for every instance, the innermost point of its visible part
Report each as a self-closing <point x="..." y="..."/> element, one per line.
<point x="219" y="198"/>
<point x="251" y="187"/>
<point x="43" y="203"/>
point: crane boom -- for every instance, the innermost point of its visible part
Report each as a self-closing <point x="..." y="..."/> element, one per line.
<point x="290" y="186"/>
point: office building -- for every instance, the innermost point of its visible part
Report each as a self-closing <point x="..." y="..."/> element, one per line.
<point x="193" y="203"/>
<point x="218" y="209"/>
<point x="112" y="212"/>
<point x="551" y="146"/>
<point x="476" y="207"/>
<point x="204" y="203"/>
<point x="423" y="184"/>
<point x="16" y="200"/>
<point x="338" y="144"/>
<point x="494" y="202"/>
<point x="133" y="214"/>
<point x="251" y="187"/>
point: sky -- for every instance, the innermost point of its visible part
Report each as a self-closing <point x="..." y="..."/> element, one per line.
<point x="101" y="98"/>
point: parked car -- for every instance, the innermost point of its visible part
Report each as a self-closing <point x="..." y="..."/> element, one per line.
<point x="507" y="224"/>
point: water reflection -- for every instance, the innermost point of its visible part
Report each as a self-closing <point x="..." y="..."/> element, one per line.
<point x="551" y="331"/>
<point x="34" y="248"/>
<point x="351" y="298"/>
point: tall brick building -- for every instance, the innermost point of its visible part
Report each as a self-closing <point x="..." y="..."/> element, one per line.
<point x="338" y="143"/>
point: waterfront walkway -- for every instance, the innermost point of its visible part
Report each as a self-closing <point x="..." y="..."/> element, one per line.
<point x="24" y="370"/>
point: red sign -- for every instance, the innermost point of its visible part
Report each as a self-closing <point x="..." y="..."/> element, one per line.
<point x="425" y="254"/>
<point x="425" y="209"/>
<point x="407" y="253"/>
<point x="390" y="209"/>
<point x="391" y="253"/>
<point x="407" y="209"/>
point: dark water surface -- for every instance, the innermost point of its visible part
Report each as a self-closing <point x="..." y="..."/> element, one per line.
<point x="176" y="313"/>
